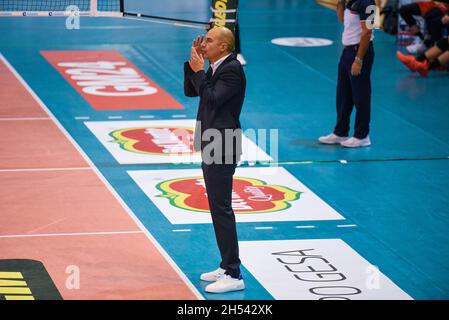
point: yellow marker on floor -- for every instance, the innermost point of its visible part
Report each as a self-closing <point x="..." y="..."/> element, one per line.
<point x="14" y="289"/>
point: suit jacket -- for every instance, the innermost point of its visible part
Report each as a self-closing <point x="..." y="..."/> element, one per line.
<point x="221" y="100"/>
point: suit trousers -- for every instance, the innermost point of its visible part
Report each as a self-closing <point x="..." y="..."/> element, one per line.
<point x="354" y="90"/>
<point x="218" y="180"/>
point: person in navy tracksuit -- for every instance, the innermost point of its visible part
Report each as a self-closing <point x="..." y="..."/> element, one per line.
<point x="354" y="74"/>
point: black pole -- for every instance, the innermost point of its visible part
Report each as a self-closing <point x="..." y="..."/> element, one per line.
<point x="237" y="30"/>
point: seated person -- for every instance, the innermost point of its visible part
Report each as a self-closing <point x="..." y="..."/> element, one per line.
<point x="434" y="58"/>
<point x="435" y="14"/>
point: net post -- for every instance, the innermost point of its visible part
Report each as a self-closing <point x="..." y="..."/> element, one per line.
<point x="225" y="14"/>
<point x="122" y="6"/>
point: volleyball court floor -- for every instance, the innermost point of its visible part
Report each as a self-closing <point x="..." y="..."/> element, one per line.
<point x="91" y="209"/>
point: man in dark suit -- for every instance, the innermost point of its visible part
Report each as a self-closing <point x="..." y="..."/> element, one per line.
<point x="218" y="136"/>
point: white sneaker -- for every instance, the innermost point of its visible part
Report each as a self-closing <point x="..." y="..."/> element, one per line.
<point x="332" y="139"/>
<point x="213" y="275"/>
<point x="417" y="47"/>
<point x="226" y="284"/>
<point x="241" y="59"/>
<point x="355" y="143"/>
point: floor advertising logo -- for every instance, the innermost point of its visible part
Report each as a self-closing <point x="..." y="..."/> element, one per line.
<point x="109" y="81"/>
<point x="259" y="194"/>
<point x="26" y="280"/>
<point x="301" y="42"/>
<point x="158" y="141"/>
<point x="249" y="196"/>
<point x="319" y="269"/>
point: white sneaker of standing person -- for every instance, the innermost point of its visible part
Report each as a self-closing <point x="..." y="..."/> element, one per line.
<point x="417" y="47"/>
<point x="213" y="275"/>
<point x="241" y="59"/>
<point x="332" y="138"/>
<point x="355" y="143"/>
<point x="226" y="283"/>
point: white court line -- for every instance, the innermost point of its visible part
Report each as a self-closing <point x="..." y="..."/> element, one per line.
<point x="305" y="227"/>
<point x="310" y="68"/>
<point x="346" y="225"/>
<point x="181" y="230"/>
<point x="45" y="169"/>
<point x="115" y="117"/>
<point x="68" y="234"/>
<point x="106" y="183"/>
<point x="25" y="119"/>
<point x="82" y="118"/>
<point x="146" y="117"/>
<point x="46" y="225"/>
<point x="263" y="228"/>
<point x="179" y="116"/>
<point x="162" y="68"/>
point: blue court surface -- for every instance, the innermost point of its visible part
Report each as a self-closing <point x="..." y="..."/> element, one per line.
<point x="386" y="205"/>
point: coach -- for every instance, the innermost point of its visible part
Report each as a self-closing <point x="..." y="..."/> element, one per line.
<point x="218" y="136"/>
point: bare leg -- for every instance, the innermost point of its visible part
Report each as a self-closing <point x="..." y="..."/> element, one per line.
<point x="433" y="53"/>
<point x="444" y="58"/>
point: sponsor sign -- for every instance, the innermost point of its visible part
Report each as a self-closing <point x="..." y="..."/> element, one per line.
<point x="259" y="194"/>
<point x="301" y="42"/>
<point x="109" y="81"/>
<point x="26" y="280"/>
<point x="224" y="13"/>
<point x="319" y="269"/>
<point x="158" y="141"/>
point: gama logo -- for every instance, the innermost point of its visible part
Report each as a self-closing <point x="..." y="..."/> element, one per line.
<point x="157" y="140"/>
<point x="249" y="195"/>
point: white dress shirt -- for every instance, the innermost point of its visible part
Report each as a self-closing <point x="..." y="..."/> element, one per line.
<point x="217" y="63"/>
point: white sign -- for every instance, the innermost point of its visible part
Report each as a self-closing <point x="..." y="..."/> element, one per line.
<point x="316" y="269"/>
<point x="259" y="194"/>
<point x="158" y="141"/>
<point x="301" y="42"/>
<point x="95" y="77"/>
